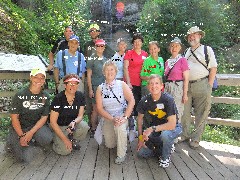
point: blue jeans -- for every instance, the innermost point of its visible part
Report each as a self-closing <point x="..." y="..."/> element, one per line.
<point x="160" y="145"/>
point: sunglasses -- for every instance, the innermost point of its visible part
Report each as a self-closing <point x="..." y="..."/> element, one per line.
<point x="72" y="84"/>
<point x="100" y="45"/>
<point x="94" y="31"/>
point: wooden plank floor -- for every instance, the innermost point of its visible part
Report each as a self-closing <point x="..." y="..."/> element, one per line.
<point x="210" y="161"/>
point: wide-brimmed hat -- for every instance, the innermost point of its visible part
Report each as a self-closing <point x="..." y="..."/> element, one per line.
<point x="195" y="29"/>
<point x="36" y="71"/>
<point x="74" y="37"/>
<point x="100" y="42"/>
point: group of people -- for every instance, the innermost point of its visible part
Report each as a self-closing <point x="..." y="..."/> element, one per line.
<point x="115" y="88"/>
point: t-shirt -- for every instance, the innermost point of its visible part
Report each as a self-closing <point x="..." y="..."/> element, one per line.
<point x="30" y="107"/>
<point x="61" y="44"/>
<point x="71" y="63"/>
<point x="66" y="112"/>
<point x="197" y="70"/>
<point x="151" y="66"/>
<point x="135" y="65"/>
<point x="158" y="111"/>
<point x="118" y="59"/>
<point x="96" y="64"/>
<point x="180" y="66"/>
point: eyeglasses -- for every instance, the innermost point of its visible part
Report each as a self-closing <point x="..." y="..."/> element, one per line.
<point x="72" y="84"/>
<point x="94" y="31"/>
<point x="100" y="45"/>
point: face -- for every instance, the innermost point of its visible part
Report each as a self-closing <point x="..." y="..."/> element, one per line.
<point x="67" y="33"/>
<point x="38" y="80"/>
<point x="174" y="48"/>
<point x="100" y="48"/>
<point x="137" y="44"/>
<point x="194" y="39"/>
<point x="73" y="45"/>
<point x="71" y="87"/>
<point x="155" y="86"/>
<point x="110" y="72"/>
<point x="122" y="46"/>
<point x="154" y="50"/>
<point x="94" y="33"/>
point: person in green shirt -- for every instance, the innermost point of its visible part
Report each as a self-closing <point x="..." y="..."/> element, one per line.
<point x="152" y="65"/>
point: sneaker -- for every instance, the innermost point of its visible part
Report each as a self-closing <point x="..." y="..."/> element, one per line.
<point x="182" y="139"/>
<point x="164" y="163"/>
<point x="120" y="160"/>
<point x="194" y="144"/>
<point x="173" y="149"/>
<point x="92" y="132"/>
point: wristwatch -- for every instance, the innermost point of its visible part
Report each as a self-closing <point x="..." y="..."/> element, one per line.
<point x="154" y="128"/>
<point x="125" y="117"/>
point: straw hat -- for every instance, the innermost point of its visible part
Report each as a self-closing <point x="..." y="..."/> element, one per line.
<point x="195" y="29"/>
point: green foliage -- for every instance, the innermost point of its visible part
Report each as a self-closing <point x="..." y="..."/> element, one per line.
<point x="4" y="126"/>
<point x="33" y="31"/>
<point x="162" y="20"/>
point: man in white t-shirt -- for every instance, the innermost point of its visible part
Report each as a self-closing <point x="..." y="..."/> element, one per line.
<point x="201" y="77"/>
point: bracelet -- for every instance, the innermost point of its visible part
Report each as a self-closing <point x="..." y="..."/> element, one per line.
<point x="140" y="138"/>
<point x="24" y="134"/>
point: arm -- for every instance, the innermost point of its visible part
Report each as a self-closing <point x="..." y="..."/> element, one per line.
<point x="56" y="76"/>
<point x="29" y="134"/>
<point x="212" y="74"/>
<point x="140" y="131"/>
<point x="128" y="95"/>
<point x="100" y="108"/>
<point x="53" y="121"/>
<point x="79" y="118"/>
<point x="51" y="61"/>
<point x="145" y="77"/>
<point x="126" y="73"/>
<point x="185" y="86"/>
<point x="89" y="82"/>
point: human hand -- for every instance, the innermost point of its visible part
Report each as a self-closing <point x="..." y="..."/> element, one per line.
<point x="130" y="85"/>
<point x="91" y="94"/>
<point x="140" y="145"/>
<point x="50" y="67"/>
<point x="184" y="99"/>
<point x="119" y="121"/>
<point x="68" y="144"/>
<point x="146" y="133"/>
<point x="72" y="125"/>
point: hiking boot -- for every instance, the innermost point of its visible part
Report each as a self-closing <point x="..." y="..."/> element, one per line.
<point x="164" y="163"/>
<point x="194" y="144"/>
<point x="120" y="160"/>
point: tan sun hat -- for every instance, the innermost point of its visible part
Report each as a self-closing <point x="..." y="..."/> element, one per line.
<point x="195" y="29"/>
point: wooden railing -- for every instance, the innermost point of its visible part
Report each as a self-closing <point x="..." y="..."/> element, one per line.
<point x="223" y="79"/>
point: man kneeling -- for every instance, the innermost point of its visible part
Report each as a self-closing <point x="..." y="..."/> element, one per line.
<point x="66" y="116"/>
<point x="161" y="126"/>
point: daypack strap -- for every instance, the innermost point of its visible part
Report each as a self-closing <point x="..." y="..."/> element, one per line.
<point x="63" y="63"/>
<point x="207" y="61"/>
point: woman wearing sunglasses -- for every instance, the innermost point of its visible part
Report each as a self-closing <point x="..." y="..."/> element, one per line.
<point x="95" y="78"/>
<point x="66" y="117"/>
<point x="152" y="65"/>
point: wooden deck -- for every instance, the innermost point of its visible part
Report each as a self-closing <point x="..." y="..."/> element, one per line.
<point x="210" y="161"/>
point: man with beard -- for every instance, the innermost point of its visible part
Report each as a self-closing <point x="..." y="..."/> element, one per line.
<point x="201" y="77"/>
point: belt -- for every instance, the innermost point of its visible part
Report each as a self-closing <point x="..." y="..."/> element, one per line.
<point x="198" y="80"/>
<point x="174" y="80"/>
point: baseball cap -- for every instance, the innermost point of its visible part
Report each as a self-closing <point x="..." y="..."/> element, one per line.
<point x="74" y="37"/>
<point x="100" y="42"/>
<point x="36" y="71"/>
<point x="94" y="26"/>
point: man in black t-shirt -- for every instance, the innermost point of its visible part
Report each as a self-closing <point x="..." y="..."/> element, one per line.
<point x="161" y="126"/>
<point x="61" y="44"/>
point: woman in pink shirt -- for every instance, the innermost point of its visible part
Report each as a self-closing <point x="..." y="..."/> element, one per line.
<point x="133" y="61"/>
<point x="177" y="76"/>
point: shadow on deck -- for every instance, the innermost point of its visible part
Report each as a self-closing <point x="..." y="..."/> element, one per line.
<point x="210" y="161"/>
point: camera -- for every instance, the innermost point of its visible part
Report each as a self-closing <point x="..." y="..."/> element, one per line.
<point x="75" y="143"/>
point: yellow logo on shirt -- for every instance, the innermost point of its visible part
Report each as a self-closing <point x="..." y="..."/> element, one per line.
<point x="160" y="113"/>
